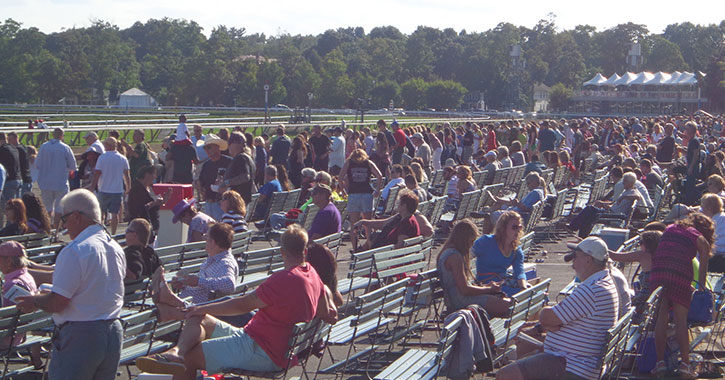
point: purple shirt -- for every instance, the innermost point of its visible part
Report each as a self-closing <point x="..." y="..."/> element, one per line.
<point x="327" y="221"/>
<point x="20" y="277"/>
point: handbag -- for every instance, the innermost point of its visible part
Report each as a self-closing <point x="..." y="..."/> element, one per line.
<point x="701" y="306"/>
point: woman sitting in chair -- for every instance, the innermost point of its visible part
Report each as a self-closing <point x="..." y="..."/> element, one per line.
<point x="396" y="229"/>
<point x="498" y="252"/>
<point x="454" y="271"/>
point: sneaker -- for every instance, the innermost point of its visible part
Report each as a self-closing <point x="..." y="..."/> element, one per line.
<point x="686" y="372"/>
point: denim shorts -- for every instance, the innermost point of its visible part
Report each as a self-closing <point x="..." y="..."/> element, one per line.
<point x="230" y="347"/>
<point x="360" y="202"/>
<point x="110" y="202"/>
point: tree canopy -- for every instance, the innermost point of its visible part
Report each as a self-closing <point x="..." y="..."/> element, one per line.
<point x="174" y="61"/>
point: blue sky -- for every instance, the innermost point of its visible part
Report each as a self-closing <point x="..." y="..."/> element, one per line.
<point x="315" y="16"/>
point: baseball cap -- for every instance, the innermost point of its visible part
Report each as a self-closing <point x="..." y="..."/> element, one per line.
<point x="592" y="246"/>
<point x="450" y="163"/>
<point x="418" y="135"/>
<point x="12" y="249"/>
<point x="491" y="153"/>
<point x="90" y="134"/>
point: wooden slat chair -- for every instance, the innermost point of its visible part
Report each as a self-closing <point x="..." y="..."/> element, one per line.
<point x="527" y="243"/>
<point x="14" y="323"/>
<point x="275" y="204"/>
<point x="44" y="255"/>
<point x="480" y="179"/>
<point x="342" y="207"/>
<point x="436" y="185"/>
<point x="141" y="333"/>
<point x="425" y="207"/>
<point x="304" y="335"/>
<point x="255" y="266"/>
<point x="638" y="332"/>
<point x="500" y="176"/>
<point x="388" y="265"/>
<point x="390" y="201"/>
<point x="557" y="212"/>
<point x="417" y="364"/>
<point x="527" y="303"/>
<point x="369" y="318"/>
<point x="31" y="240"/>
<point x="419" y="299"/>
<point x="292" y="200"/>
<point x="332" y="242"/>
<point x="534" y="216"/>
<point x="485" y="200"/>
<point x="359" y="275"/>
<point x="613" y="350"/>
<point x="252" y="207"/>
<point x="465" y="206"/>
<point x="439" y="204"/>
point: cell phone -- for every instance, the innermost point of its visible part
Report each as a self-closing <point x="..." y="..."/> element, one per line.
<point x="16" y="291"/>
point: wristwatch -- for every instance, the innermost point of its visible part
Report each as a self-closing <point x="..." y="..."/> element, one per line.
<point x="538" y="328"/>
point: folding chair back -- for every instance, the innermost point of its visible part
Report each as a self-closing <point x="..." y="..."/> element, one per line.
<point x="614" y="345"/>
<point x="534" y="216"/>
<point x="480" y="179"/>
<point x="439" y="205"/>
<point x="399" y="262"/>
<point x="391" y="200"/>
<point x="292" y="200"/>
<point x="252" y="207"/>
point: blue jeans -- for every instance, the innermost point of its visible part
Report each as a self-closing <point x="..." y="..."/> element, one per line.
<point x="214" y="210"/>
<point x="27" y="187"/>
<point x="11" y="190"/>
<point x="86" y="351"/>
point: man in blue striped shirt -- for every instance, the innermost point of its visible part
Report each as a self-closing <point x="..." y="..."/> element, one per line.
<point x="576" y="327"/>
<point x="55" y="162"/>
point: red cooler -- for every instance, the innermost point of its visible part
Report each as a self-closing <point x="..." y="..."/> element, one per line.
<point x="170" y="233"/>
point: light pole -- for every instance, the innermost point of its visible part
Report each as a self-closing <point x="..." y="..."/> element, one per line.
<point x="266" y="104"/>
<point x="310" y="96"/>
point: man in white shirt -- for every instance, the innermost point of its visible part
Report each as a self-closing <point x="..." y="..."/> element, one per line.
<point x="422" y="149"/>
<point x="182" y="131"/>
<point x="55" y="161"/>
<point x="86" y="297"/>
<point x="112" y="181"/>
<point x="576" y="327"/>
<point x="92" y="140"/>
<point x="337" y="152"/>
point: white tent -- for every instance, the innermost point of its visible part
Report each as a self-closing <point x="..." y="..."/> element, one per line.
<point x="626" y="79"/>
<point x="135" y="98"/>
<point x="687" y="78"/>
<point x="659" y="78"/>
<point x="596" y="81"/>
<point x="610" y="82"/>
<point x="642" y="78"/>
<point x="675" y="77"/>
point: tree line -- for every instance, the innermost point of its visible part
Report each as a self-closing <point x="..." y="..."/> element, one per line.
<point x="175" y="62"/>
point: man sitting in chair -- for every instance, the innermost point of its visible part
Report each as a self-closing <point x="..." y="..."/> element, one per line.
<point x="577" y="327"/>
<point x="295" y="294"/>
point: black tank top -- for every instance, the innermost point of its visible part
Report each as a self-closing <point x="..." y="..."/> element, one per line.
<point x="358" y="175"/>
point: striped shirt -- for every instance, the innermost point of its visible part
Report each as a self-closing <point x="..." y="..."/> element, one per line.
<point x="237" y="221"/>
<point x="218" y="273"/>
<point x="586" y="315"/>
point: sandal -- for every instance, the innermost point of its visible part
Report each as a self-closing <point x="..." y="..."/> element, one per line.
<point x="660" y="369"/>
<point x="686" y="372"/>
<point x="160" y="363"/>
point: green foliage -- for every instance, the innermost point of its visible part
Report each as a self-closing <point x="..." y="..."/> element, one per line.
<point x="559" y="97"/>
<point x="175" y="62"/>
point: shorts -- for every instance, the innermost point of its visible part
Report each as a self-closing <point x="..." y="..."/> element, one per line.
<point x="545" y="366"/>
<point x="230" y="347"/>
<point x="360" y="202"/>
<point x="51" y="199"/>
<point x="110" y="202"/>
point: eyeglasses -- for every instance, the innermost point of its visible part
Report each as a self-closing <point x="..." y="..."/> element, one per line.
<point x="65" y="216"/>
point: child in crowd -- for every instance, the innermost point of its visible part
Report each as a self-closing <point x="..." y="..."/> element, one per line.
<point x="648" y="245"/>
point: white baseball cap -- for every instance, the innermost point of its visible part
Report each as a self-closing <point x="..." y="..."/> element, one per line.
<point x="592" y="246"/>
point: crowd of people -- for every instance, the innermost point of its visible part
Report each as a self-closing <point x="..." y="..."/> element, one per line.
<point x="111" y="182"/>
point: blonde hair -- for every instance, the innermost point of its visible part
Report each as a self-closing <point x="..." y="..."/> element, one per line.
<point x="499" y="231"/>
<point x="712" y="202"/>
<point x="358" y="155"/>
<point x="294" y="241"/>
<point x="467" y="171"/>
<point x="236" y="202"/>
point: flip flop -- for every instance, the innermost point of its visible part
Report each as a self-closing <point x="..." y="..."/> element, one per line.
<point x="160" y="363"/>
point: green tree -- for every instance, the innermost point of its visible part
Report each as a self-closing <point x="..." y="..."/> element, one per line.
<point x="414" y="93"/>
<point x="664" y="56"/>
<point x="384" y="92"/>
<point x="559" y="97"/>
<point x="336" y="87"/>
<point x="445" y="94"/>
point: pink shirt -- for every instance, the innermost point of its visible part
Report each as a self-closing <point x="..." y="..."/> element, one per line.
<point x="291" y="297"/>
<point x="20" y="277"/>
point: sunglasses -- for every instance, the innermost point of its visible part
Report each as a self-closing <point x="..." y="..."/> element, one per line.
<point x="64" y="217"/>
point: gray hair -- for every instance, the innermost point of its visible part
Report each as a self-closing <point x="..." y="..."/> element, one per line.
<point x="326" y="178"/>
<point x="83" y="201"/>
<point x="270" y="171"/>
<point x="629" y="177"/>
<point x="309" y="173"/>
